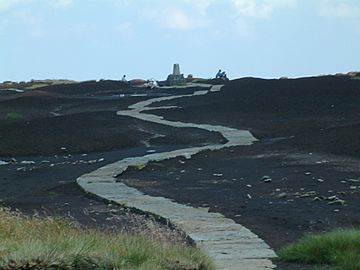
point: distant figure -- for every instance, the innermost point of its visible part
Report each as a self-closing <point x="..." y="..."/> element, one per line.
<point x="124" y="78"/>
<point x="218" y="75"/>
<point x="221" y="75"/>
<point x="152" y="84"/>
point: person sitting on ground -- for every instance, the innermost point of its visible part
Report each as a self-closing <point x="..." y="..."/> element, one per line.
<point x="124" y="78"/>
<point x="223" y="75"/>
<point x="218" y="75"/>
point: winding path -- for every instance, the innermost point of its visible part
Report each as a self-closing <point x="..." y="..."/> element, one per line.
<point x="230" y="245"/>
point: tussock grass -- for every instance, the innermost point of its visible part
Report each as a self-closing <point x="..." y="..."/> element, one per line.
<point x="14" y="116"/>
<point x="339" y="249"/>
<point x="57" y="243"/>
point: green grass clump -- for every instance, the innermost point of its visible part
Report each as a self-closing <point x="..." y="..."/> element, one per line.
<point x="14" y="116"/>
<point x="56" y="243"/>
<point x="339" y="249"/>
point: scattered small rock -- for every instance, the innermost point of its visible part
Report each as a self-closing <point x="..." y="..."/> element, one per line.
<point x="308" y="194"/>
<point x="337" y="201"/>
<point x="265" y="177"/>
<point x="27" y="162"/>
<point x="331" y="198"/>
<point x="282" y="195"/>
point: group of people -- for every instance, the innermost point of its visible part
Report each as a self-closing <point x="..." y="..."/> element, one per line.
<point x="221" y="75"/>
<point x="152" y="83"/>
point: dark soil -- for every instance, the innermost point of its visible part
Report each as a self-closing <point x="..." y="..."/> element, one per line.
<point x="47" y="187"/>
<point x="89" y="132"/>
<point x="58" y="121"/>
<point x="308" y="131"/>
<point x="294" y="203"/>
<point x="63" y="131"/>
<point x="309" y="146"/>
<point x="314" y="114"/>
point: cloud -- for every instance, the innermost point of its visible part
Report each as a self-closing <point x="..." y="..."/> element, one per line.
<point x="126" y="29"/>
<point x="243" y="28"/>
<point x="8" y="4"/>
<point x="4" y="23"/>
<point x="174" y="18"/>
<point x="32" y="24"/>
<point x="245" y="10"/>
<point x="200" y="5"/>
<point x="260" y="9"/>
<point x="61" y="4"/>
<point x="339" y="9"/>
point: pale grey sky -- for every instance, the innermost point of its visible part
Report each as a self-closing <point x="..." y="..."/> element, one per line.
<point x="93" y="39"/>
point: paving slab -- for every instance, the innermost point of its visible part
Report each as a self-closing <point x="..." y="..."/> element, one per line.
<point x="230" y="245"/>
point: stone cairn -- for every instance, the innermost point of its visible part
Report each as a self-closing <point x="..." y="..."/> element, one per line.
<point x="176" y="78"/>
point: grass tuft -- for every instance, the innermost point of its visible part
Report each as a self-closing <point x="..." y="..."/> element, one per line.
<point x="14" y="116"/>
<point x="339" y="249"/>
<point x="57" y="243"/>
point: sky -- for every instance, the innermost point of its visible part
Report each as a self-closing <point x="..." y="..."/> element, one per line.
<point x="105" y="39"/>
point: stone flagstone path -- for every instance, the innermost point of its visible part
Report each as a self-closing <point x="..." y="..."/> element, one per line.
<point x="230" y="245"/>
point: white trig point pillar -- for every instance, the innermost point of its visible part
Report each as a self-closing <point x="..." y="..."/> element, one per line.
<point x="176" y="69"/>
<point x="176" y="78"/>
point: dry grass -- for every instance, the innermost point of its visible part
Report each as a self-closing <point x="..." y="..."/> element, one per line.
<point x="57" y="243"/>
<point x="42" y="83"/>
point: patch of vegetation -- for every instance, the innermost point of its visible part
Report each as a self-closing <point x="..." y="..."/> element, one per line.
<point x="163" y="166"/>
<point x="338" y="250"/>
<point x="14" y="116"/>
<point x="57" y="243"/>
<point x="153" y="165"/>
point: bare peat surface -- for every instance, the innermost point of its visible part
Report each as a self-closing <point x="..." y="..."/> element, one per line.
<point x="49" y="137"/>
<point x="301" y="177"/>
